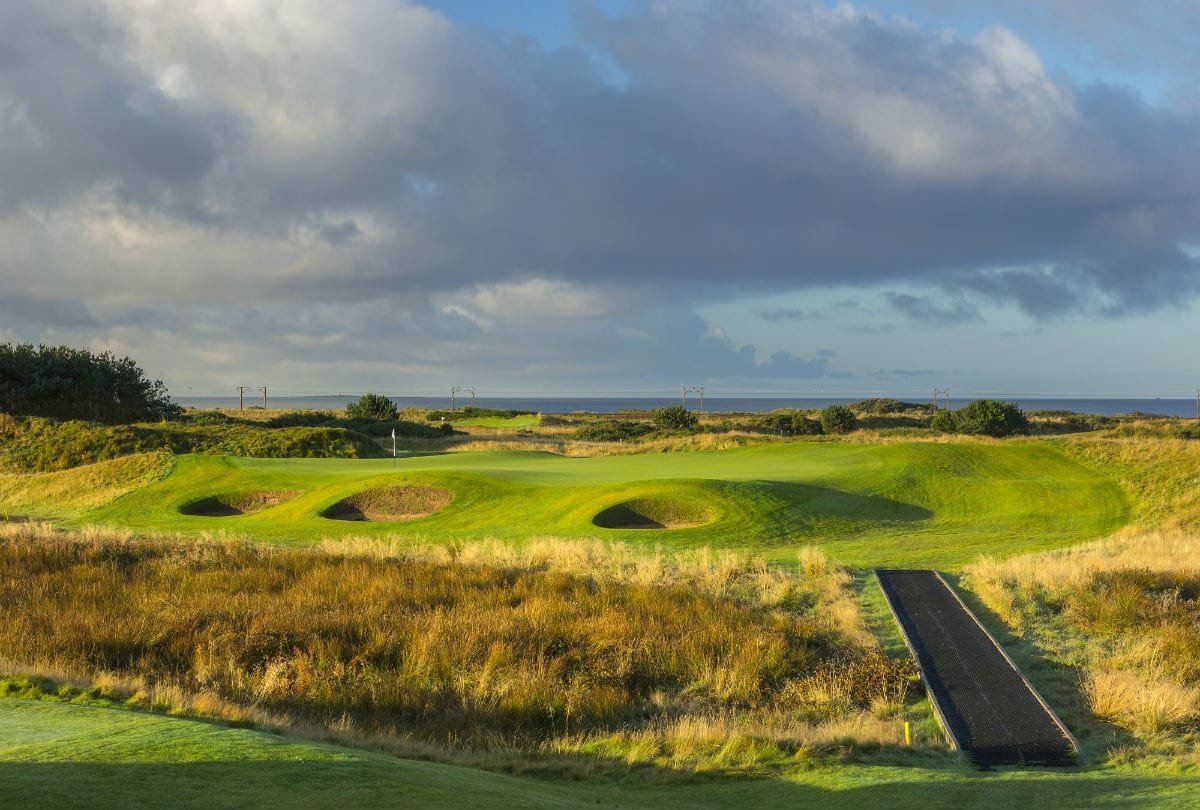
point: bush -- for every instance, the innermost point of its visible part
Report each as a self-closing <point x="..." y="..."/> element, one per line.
<point x="991" y="417"/>
<point x="788" y="423"/>
<point x="882" y="406"/>
<point x="943" y="422"/>
<point x="60" y="382"/>
<point x="618" y="430"/>
<point x="838" y="419"/>
<point x="372" y="407"/>
<point x="676" y="417"/>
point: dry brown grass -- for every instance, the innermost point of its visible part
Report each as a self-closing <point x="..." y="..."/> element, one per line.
<point x="526" y="648"/>
<point x="1126" y="611"/>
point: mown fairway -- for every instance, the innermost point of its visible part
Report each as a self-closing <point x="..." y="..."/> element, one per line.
<point x="940" y="504"/>
<point x="56" y="755"/>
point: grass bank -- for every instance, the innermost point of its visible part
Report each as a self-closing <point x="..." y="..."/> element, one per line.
<point x="865" y="504"/>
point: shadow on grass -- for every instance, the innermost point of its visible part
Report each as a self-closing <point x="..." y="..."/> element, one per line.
<point x="1059" y="683"/>
<point x="380" y="782"/>
<point x="794" y="512"/>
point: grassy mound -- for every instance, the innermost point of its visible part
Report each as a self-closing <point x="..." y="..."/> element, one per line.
<point x="69" y="492"/>
<point x="654" y="513"/>
<point x="391" y="504"/>
<point x="896" y="504"/>
<point x="242" y="503"/>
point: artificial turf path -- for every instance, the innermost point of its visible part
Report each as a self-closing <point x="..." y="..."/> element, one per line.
<point x="987" y="706"/>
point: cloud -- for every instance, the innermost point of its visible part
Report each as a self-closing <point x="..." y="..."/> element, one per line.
<point x="906" y="373"/>
<point x="235" y="159"/>
<point x="930" y="311"/>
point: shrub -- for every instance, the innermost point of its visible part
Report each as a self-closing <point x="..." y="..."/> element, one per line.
<point x="675" y="417"/>
<point x="882" y="406"/>
<point x="838" y="419"/>
<point x="372" y="407"/>
<point x="943" y="422"/>
<point x="617" y="430"/>
<point x="991" y="417"/>
<point x="788" y="423"/>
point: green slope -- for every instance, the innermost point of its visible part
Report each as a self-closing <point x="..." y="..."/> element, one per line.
<point x="55" y="755"/>
<point x="885" y="504"/>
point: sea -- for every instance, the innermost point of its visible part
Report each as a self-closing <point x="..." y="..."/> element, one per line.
<point x="1104" y="406"/>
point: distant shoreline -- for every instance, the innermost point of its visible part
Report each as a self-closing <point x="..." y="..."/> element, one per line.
<point x="1100" y="406"/>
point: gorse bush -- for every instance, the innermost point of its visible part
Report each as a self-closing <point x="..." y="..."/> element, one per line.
<point x="615" y="430"/>
<point x="466" y="643"/>
<point x="65" y="383"/>
<point x="983" y="417"/>
<point x="372" y="407"/>
<point x="838" y="419"/>
<point x="675" y="417"/>
<point x="788" y="423"/>
<point x="991" y="417"/>
<point x="471" y="412"/>
<point x="44" y="445"/>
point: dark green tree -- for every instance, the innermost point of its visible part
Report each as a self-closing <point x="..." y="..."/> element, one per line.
<point x="943" y="422"/>
<point x="991" y="417"/>
<point x="838" y="419"/>
<point x="61" y="382"/>
<point x="676" y="417"/>
<point x="372" y="408"/>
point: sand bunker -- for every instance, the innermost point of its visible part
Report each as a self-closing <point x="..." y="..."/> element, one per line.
<point x="653" y="513"/>
<point x="243" y="503"/>
<point x="391" y="504"/>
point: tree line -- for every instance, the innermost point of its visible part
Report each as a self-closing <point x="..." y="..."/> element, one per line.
<point x="61" y="382"/>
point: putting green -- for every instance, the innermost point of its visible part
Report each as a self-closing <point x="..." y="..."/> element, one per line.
<point x="917" y="503"/>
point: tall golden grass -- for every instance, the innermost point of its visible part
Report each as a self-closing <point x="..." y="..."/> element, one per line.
<point x="1126" y="610"/>
<point x="537" y="647"/>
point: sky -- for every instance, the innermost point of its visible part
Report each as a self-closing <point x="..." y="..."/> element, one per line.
<point x="610" y="197"/>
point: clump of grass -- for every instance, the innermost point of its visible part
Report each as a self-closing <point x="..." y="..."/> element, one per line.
<point x="1126" y="612"/>
<point x="481" y="642"/>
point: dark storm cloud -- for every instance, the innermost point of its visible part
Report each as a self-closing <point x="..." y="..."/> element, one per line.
<point x="374" y="155"/>
<point x="35" y="313"/>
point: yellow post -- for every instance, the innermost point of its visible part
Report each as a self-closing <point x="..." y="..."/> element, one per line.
<point x="907" y="734"/>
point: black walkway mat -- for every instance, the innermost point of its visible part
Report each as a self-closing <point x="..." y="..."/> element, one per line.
<point x="992" y="713"/>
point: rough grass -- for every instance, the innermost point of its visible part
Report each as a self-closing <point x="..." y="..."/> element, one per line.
<point x="1161" y="475"/>
<point x="483" y="644"/>
<point x="71" y="491"/>
<point x="1126" y="613"/>
<point x="43" y="445"/>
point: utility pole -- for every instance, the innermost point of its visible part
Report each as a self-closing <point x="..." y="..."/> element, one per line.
<point x="471" y="388"/>
<point x="694" y="389"/>
<point x="453" y="391"/>
<point x="242" y="389"/>
<point x="263" y="388"/>
<point x="1198" y="403"/>
<point x="938" y="392"/>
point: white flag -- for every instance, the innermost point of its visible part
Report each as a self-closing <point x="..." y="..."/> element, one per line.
<point x="393" y="433"/>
